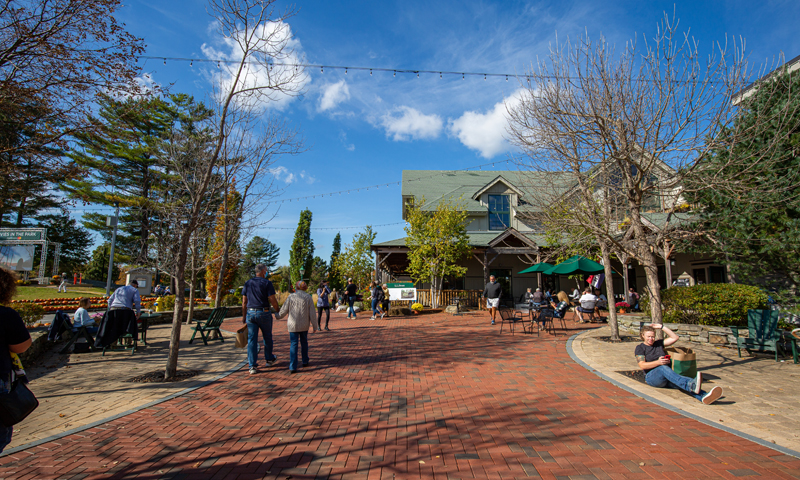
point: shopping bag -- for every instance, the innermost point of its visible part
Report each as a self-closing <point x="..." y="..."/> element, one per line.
<point x="241" y="337"/>
<point x="684" y="361"/>
<point x="17" y="404"/>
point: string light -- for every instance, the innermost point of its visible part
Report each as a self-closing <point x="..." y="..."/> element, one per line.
<point x="321" y="69"/>
<point x="370" y="72"/>
<point x="345" y="71"/>
<point x="191" y="64"/>
<point x="165" y="61"/>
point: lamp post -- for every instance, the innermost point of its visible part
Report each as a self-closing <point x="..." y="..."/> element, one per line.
<point x="302" y="272"/>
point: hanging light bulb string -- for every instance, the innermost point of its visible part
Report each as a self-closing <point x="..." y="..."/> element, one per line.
<point x="322" y="68"/>
<point x="390" y="184"/>
<point x="333" y="228"/>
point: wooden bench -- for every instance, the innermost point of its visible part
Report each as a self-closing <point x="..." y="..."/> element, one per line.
<point x="211" y="325"/>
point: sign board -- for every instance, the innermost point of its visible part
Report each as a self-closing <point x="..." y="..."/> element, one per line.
<point x="684" y="280"/>
<point x="20" y="234"/>
<point x="17" y="257"/>
<point x="404" y="291"/>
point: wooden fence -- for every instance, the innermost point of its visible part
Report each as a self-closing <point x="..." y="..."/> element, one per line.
<point x="469" y="298"/>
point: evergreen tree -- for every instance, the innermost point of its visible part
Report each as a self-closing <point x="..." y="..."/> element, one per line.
<point x="302" y="252"/>
<point x="74" y="239"/>
<point x="97" y="269"/>
<point x="357" y="260"/>
<point x="335" y="281"/>
<point x="319" y="273"/>
<point x="119" y="158"/>
<point x="258" y="250"/>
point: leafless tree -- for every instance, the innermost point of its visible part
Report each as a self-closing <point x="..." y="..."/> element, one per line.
<point x="258" y="73"/>
<point x="623" y="129"/>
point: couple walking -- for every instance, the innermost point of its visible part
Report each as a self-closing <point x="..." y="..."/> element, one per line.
<point x="257" y="296"/>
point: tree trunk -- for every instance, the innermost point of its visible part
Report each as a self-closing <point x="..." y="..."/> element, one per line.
<point x="648" y="261"/>
<point x="223" y="265"/>
<point x="175" y="337"/>
<point x="612" y="311"/>
<point x="192" y="281"/>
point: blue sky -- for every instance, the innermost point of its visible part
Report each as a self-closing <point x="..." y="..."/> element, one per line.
<point x="363" y="130"/>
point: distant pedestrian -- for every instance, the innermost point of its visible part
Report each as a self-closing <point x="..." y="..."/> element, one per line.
<point x="492" y="294"/>
<point x="324" y="304"/>
<point x="377" y="300"/>
<point x="350" y="293"/>
<point x="300" y="308"/>
<point x="62" y="287"/>
<point x="14" y="339"/>
<point x="386" y="302"/>
<point x="257" y="296"/>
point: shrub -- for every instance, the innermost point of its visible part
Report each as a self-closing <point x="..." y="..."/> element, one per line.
<point x="167" y="302"/>
<point x="231" y="300"/>
<point x="30" y="312"/>
<point x="416" y="307"/>
<point x="719" y="304"/>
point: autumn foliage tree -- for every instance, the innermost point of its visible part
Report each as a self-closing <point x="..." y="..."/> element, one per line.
<point x="227" y="224"/>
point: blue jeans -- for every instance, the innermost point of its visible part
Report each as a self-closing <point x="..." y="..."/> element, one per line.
<point x="375" y="310"/>
<point x="259" y="321"/>
<point x="663" y="376"/>
<point x="293" y="338"/>
<point x="5" y="432"/>
<point x="350" y="311"/>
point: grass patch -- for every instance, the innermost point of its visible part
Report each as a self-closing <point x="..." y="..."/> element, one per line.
<point x="49" y="292"/>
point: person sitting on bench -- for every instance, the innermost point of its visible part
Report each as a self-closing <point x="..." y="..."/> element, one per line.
<point x="653" y="360"/>
<point x="81" y="317"/>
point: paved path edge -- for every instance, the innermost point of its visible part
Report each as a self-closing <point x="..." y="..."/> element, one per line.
<point x="760" y="441"/>
<point x="128" y="412"/>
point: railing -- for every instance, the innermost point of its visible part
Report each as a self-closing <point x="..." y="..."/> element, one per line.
<point x="468" y="298"/>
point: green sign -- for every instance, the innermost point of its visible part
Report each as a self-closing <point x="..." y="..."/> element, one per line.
<point x="20" y="234"/>
<point x="400" y="285"/>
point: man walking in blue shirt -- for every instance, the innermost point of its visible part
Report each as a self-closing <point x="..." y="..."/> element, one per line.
<point x="257" y="295"/>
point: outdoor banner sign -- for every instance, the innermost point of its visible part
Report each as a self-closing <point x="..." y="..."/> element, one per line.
<point x="17" y="257"/>
<point x="404" y="291"/>
<point x="21" y="234"/>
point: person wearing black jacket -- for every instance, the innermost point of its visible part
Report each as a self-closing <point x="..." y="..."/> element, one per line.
<point x="350" y="294"/>
<point x="377" y="300"/>
<point x="492" y="293"/>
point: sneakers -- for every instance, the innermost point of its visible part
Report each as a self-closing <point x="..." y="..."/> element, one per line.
<point x="253" y="371"/>
<point x="383" y="315"/>
<point x="327" y="329"/>
<point x="492" y="322"/>
<point x="697" y="382"/>
<point x="712" y="396"/>
<point x="272" y="362"/>
<point x="372" y="317"/>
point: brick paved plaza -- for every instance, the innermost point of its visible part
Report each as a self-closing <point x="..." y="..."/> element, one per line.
<point x="420" y="397"/>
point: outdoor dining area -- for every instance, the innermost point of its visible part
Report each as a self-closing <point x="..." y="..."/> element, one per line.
<point x="545" y="315"/>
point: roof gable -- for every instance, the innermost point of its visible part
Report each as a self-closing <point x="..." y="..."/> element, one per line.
<point x="498" y="179"/>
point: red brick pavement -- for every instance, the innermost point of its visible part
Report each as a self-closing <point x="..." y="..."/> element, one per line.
<point x="421" y="397"/>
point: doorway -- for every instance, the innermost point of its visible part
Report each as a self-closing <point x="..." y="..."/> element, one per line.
<point x="699" y="275"/>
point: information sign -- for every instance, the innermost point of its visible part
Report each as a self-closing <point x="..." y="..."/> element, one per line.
<point x="402" y="291"/>
<point x="20" y="234"/>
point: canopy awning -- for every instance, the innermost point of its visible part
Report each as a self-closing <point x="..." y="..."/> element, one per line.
<point x="538" y="268"/>
<point x="576" y="264"/>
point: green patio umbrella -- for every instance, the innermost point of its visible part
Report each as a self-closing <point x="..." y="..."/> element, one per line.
<point x="538" y="268"/>
<point x="576" y="264"/>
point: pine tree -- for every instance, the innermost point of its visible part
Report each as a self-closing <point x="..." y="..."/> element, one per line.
<point x="97" y="269"/>
<point x="335" y="281"/>
<point x="258" y="250"/>
<point x="302" y="252"/>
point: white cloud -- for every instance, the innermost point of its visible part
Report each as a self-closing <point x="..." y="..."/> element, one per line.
<point x="333" y="94"/>
<point x="348" y="146"/>
<point x="484" y="132"/>
<point x="406" y="123"/>
<point x="271" y="39"/>
<point x="283" y="174"/>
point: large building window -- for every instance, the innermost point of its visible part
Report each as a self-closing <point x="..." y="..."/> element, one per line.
<point x="499" y="212"/>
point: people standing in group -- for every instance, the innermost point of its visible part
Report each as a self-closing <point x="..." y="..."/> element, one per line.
<point x="63" y="285"/>
<point x="377" y="300"/>
<point x="299" y="306"/>
<point x="492" y="293"/>
<point x="14" y="339"/>
<point x="324" y="304"/>
<point x="350" y="293"/>
<point x="258" y="294"/>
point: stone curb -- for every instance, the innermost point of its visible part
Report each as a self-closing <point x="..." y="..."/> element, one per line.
<point x="762" y="442"/>
<point x="128" y="412"/>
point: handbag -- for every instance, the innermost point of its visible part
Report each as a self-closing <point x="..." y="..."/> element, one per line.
<point x="17" y="404"/>
<point x="241" y="337"/>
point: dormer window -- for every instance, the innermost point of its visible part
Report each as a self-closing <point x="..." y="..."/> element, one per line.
<point x="499" y="212"/>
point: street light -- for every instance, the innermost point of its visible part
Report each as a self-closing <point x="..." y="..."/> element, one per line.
<point x="302" y="272"/>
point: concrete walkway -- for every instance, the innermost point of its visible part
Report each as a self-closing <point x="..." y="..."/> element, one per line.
<point x="431" y="396"/>
<point x="760" y="394"/>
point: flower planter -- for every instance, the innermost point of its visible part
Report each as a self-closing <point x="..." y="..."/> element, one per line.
<point x="623" y="310"/>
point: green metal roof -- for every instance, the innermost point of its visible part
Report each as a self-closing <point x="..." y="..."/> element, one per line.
<point x="476" y="239"/>
<point x="440" y="185"/>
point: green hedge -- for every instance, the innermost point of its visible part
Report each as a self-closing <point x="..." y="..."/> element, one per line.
<point x="231" y="300"/>
<point x="718" y="304"/>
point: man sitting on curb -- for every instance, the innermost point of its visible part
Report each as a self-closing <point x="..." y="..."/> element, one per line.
<point x="651" y="358"/>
